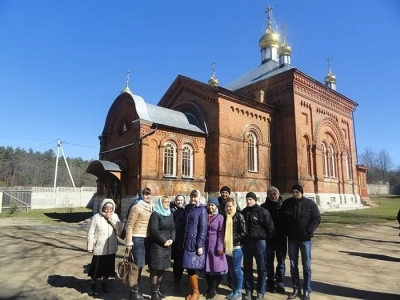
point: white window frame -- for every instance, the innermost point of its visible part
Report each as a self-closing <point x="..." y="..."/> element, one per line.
<point x="324" y="160"/>
<point x="187" y="162"/>
<point x="252" y="152"/>
<point x="332" y="162"/>
<point x="168" y="170"/>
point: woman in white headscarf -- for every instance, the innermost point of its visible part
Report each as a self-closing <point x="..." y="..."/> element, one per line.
<point x="102" y="243"/>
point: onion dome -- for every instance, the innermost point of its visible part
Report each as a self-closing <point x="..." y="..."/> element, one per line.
<point x="213" y="81"/>
<point x="330" y="78"/>
<point x="269" y="39"/>
<point x="285" y="49"/>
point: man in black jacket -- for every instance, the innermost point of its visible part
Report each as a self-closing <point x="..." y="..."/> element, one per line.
<point x="301" y="219"/>
<point x="225" y="192"/>
<point x="260" y="228"/>
<point x="278" y="243"/>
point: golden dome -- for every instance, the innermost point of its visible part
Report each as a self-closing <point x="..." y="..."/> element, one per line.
<point x="269" y="38"/>
<point x="285" y="49"/>
<point x="330" y="78"/>
<point x="213" y="81"/>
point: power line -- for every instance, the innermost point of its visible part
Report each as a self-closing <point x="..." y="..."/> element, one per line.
<point x="44" y="144"/>
<point x="26" y="138"/>
<point x="64" y="142"/>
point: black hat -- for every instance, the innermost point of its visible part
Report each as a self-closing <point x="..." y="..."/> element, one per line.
<point x="225" y="189"/>
<point x="298" y="187"/>
<point x="251" y="195"/>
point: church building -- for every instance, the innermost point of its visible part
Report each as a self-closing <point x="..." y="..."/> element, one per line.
<point x="275" y="125"/>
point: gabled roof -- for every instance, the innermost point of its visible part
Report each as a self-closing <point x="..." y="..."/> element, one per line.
<point x="264" y="71"/>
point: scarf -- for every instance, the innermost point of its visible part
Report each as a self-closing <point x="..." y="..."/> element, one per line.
<point x="145" y="205"/>
<point x="165" y="212"/>
<point x="228" y="240"/>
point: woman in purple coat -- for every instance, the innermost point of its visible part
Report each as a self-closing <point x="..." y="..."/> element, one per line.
<point x="194" y="236"/>
<point x="216" y="263"/>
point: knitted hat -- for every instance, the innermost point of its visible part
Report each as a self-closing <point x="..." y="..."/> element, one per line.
<point x="298" y="187"/>
<point x="251" y="195"/>
<point x="273" y="189"/>
<point x="213" y="201"/>
<point x="225" y="189"/>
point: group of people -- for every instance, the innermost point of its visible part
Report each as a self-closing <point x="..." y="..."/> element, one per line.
<point x="210" y="238"/>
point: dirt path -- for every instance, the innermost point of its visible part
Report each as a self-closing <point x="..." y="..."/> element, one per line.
<point x="49" y="262"/>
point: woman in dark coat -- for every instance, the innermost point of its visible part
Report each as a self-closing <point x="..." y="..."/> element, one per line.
<point x="177" y="254"/>
<point x="194" y="236"/>
<point x="162" y="234"/>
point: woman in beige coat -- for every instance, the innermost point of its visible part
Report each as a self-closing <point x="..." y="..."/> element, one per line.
<point x="102" y="243"/>
<point x="136" y="236"/>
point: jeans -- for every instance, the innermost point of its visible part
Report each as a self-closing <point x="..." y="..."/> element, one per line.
<point x="305" y="250"/>
<point x="256" y="249"/>
<point x="235" y="269"/>
<point x="279" y="249"/>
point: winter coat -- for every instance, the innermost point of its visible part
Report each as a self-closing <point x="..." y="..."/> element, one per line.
<point x="177" y="250"/>
<point x="398" y="216"/>
<point x="221" y="207"/>
<point x="275" y="210"/>
<point x="301" y="218"/>
<point x="101" y="238"/>
<point x="239" y="229"/>
<point x="161" y="229"/>
<point x="215" y="241"/>
<point x="194" y="236"/>
<point x="138" y="222"/>
<point x="259" y="223"/>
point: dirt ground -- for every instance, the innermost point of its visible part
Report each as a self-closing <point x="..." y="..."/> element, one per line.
<point x="49" y="262"/>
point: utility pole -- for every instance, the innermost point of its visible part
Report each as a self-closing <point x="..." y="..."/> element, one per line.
<point x="59" y="147"/>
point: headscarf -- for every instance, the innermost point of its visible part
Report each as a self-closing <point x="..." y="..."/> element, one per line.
<point x="184" y="199"/>
<point x="228" y="240"/>
<point x="200" y="200"/>
<point x="165" y="212"/>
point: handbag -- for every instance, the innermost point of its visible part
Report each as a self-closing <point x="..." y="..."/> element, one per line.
<point x="121" y="234"/>
<point x="127" y="270"/>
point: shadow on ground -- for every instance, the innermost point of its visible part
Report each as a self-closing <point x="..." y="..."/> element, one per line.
<point x="72" y="217"/>
<point x="372" y="256"/>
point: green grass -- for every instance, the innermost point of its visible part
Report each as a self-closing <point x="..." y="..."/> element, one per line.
<point x="53" y="215"/>
<point x="386" y="211"/>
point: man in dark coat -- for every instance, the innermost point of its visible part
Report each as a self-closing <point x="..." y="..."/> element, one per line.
<point x="260" y="228"/>
<point x="277" y="244"/>
<point x="301" y="219"/>
<point x="225" y="192"/>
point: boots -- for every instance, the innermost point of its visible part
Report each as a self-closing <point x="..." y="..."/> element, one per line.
<point x="92" y="292"/>
<point x="134" y="294"/>
<point x="194" y="285"/>
<point x="212" y="288"/>
<point x="208" y="280"/>
<point x="104" y="287"/>
<point x="154" y="293"/>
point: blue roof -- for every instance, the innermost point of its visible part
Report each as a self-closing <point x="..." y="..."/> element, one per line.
<point x="264" y="71"/>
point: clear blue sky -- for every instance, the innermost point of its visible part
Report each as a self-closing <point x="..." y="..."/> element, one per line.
<point x="62" y="63"/>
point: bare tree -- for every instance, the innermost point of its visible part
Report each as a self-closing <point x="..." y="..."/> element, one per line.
<point x="383" y="163"/>
<point x="368" y="159"/>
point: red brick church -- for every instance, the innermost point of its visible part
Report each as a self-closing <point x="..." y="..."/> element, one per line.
<point x="275" y="125"/>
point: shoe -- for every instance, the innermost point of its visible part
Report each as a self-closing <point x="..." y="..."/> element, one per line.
<point x="104" y="287"/>
<point x="134" y="294"/>
<point x="271" y="289"/>
<point x="248" y="295"/>
<point x="212" y="288"/>
<point x="229" y="297"/>
<point x="306" y="296"/>
<point x="294" y="294"/>
<point x="280" y="290"/>
<point x="154" y="295"/>
<point x="161" y="295"/>
<point x="194" y="285"/>
<point x="92" y="292"/>
<point x="237" y="295"/>
<point x="260" y="297"/>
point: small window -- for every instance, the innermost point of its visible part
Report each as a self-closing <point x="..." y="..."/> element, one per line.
<point x="187" y="161"/>
<point x="252" y="152"/>
<point x="324" y="160"/>
<point x="332" y="161"/>
<point x="169" y="159"/>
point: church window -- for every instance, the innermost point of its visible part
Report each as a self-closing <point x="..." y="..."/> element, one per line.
<point x="169" y="159"/>
<point x="252" y="152"/>
<point x="347" y="163"/>
<point x="332" y="161"/>
<point x="187" y="161"/>
<point x="324" y="160"/>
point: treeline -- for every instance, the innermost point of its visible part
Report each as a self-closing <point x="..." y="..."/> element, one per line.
<point x="19" y="167"/>
<point x="381" y="168"/>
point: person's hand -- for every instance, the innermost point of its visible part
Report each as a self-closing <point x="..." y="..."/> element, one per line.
<point x="108" y="215"/>
<point x="90" y="251"/>
<point x="200" y="251"/>
<point x="129" y="248"/>
<point x="219" y="252"/>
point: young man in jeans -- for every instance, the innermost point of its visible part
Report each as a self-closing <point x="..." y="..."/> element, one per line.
<point x="301" y="219"/>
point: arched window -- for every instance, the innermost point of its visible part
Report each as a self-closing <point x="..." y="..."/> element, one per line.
<point x="187" y="161"/>
<point x="169" y="159"/>
<point x="332" y="161"/>
<point x="324" y="160"/>
<point x="252" y="152"/>
<point x="307" y="155"/>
